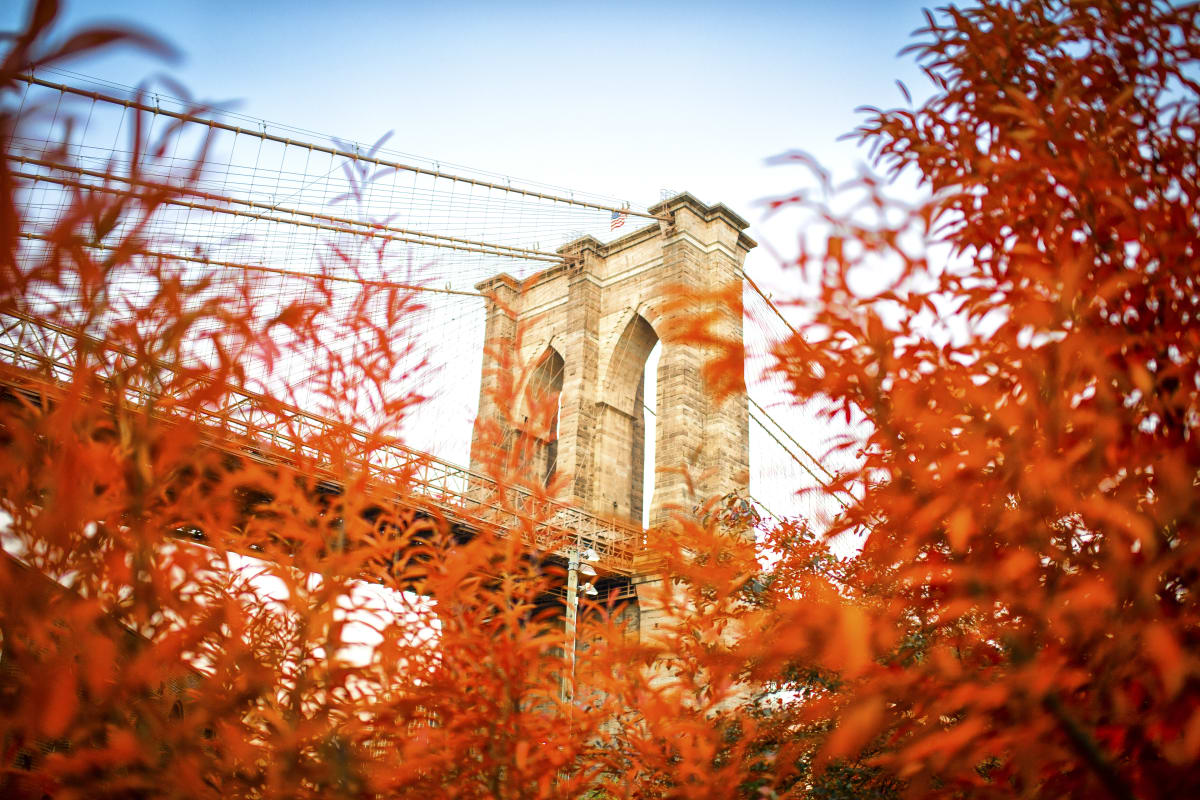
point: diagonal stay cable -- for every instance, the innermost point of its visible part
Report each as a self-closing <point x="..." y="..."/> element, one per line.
<point x="825" y="485"/>
<point x="763" y="411"/>
<point x="791" y="438"/>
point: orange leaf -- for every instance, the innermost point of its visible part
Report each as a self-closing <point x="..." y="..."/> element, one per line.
<point x="60" y="704"/>
<point x="1163" y="648"/>
<point x="857" y="726"/>
<point x="959" y="528"/>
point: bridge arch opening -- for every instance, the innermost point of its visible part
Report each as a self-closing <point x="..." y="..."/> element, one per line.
<point x="622" y="461"/>
<point x="649" y="392"/>
<point x="544" y="400"/>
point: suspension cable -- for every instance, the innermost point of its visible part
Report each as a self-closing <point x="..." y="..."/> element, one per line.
<point x="370" y="233"/>
<point x="408" y="287"/>
<point x="517" y="252"/>
<point x="333" y="151"/>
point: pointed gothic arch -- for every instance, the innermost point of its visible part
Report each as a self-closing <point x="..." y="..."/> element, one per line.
<point x="620" y="444"/>
<point x="543" y="397"/>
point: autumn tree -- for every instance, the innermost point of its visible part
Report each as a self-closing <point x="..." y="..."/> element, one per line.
<point x="195" y="555"/>
<point x="1022" y="620"/>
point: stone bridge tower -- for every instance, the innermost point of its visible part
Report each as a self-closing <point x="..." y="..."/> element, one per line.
<point x="589" y="326"/>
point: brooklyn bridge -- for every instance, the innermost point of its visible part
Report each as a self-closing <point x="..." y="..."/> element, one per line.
<point x="576" y="285"/>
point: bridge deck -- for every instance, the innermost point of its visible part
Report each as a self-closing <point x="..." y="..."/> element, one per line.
<point x="260" y="427"/>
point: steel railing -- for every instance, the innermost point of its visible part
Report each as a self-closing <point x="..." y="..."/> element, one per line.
<point x="267" y="429"/>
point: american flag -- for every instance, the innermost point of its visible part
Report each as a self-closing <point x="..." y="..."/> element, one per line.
<point x="618" y="219"/>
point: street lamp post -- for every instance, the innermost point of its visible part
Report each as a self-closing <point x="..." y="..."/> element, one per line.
<point x="577" y="563"/>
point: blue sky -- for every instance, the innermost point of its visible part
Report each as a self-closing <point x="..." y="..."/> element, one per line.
<point x="624" y="99"/>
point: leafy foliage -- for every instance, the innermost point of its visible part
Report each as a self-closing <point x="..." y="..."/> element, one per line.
<point x="185" y="606"/>
<point x="1028" y="485"/>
